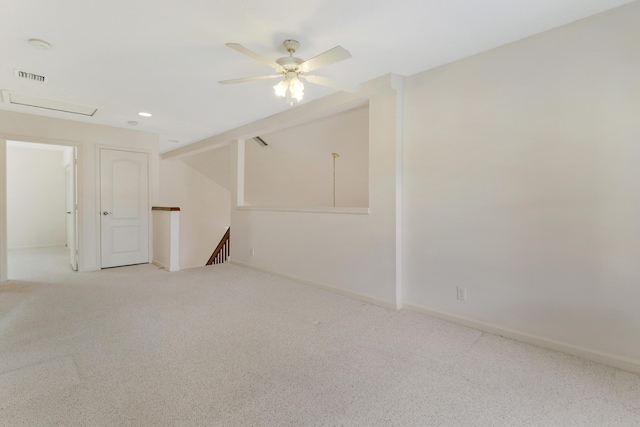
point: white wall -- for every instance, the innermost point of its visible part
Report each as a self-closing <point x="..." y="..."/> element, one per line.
<point x="88" y="138"/>
<point x="352" y="253"/>
<point x="519" y="182"/>
<point x="214" y="164"/>
<point x="166" y="238"/>
<point x="162" y="238"/>
<point x="522" y="184"/>
<point x="204" y="210"/>
<point x="296" y="168"/>
<point x="36" y="197"/>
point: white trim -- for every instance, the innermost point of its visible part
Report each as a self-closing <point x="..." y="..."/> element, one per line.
<point x="158" y="264"/>
<point x="240" y="163"/>
<point x="4" y="259"/>
<point x="355" y="295"/>
<point x="399" y="178"/>
<point x="37" y="145"/>
<point x="174" y="241"/>
<point x="17" y="248"/>
<point x="4" y="139"/>
<point x="40" y="140"/>
<point x="620" y="362"/>
<point x="320" y="209"/>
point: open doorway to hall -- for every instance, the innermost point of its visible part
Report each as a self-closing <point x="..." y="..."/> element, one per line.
<point x="41" y="210"/>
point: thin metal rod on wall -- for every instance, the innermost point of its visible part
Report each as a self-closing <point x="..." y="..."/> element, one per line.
<point x="335" y="156"/>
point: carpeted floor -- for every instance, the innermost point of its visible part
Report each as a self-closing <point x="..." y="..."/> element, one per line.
<point x="227" y="346"/>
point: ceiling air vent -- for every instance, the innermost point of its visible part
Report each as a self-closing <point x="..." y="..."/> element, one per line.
<point x="260" y="141"/>
<point x="30" y="76"/>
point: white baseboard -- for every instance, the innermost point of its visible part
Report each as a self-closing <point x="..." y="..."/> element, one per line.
<point x="623" y="363"/>
<point x="355" y="295"/>
<point x="63" y="245"/>
<point x="161" y="265"/>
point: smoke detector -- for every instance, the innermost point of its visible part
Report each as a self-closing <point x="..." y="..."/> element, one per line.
<point x="39" y="44"/>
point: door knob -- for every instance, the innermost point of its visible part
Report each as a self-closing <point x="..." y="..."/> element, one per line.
<point x="106" y="213"/>
<point x="68" y="212"/>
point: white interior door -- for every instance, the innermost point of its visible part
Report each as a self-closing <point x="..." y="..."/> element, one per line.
<point x="72" y="211"/>
<point x="124" y="208"/>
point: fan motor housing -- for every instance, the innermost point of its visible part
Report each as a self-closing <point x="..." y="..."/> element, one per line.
<point x="291" y="45"/>
<point x="289" y="62"/>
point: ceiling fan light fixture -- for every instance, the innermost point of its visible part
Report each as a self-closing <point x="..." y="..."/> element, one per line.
<point x="291" y="69"/>
<point x="292" y="84"/>
<point x="296" y="88"/>
<point x="281" y="88"/>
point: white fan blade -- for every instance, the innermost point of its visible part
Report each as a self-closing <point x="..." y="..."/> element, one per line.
<point x="249" y="79"/>
<point x="254" y="55"/>
<point x="324" y="81"/>
<point x="329" y="57"/>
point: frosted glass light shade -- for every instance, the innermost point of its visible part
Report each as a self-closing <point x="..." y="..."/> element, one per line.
<point x="281" y="88"/>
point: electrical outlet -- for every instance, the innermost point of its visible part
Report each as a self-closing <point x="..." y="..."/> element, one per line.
<point x="462" y="293"/>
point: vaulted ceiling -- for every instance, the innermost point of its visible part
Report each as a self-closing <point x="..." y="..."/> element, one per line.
<point x="167" y="57"/>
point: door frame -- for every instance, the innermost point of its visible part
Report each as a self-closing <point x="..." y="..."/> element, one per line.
<point x="4" y="261"/>
<point x="98" y="198"/>
<point x="71" y="170"/>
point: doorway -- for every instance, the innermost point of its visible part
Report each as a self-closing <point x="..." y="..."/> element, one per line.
<point x="41" y="203"/>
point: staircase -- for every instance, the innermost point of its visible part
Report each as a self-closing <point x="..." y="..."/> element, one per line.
<point x="221" y="253"/>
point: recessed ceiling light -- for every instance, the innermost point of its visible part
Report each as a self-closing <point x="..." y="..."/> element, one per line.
<point x="133" y="123"/>
<point x="143" y="114"/>
<point x="39" y="44"/>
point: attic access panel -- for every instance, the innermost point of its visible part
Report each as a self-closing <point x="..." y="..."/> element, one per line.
<point x="47" y="104"/>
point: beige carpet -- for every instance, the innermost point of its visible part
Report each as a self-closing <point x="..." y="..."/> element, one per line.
<point x="227" y="346"/>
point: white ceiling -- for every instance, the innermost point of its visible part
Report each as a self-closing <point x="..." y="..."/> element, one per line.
<point x="166" y="57"/>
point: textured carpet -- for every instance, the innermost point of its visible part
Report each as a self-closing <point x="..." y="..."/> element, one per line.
<point x="227" y="346"/>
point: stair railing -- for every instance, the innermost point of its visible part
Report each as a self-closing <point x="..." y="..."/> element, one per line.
<point x="221" y="253"/>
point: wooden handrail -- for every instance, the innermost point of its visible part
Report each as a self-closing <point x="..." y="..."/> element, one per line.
<point x="221" y="253"/>
<point x="165" y="208"/>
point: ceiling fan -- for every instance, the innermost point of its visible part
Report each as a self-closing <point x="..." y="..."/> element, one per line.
<point x="291" y="69"/>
